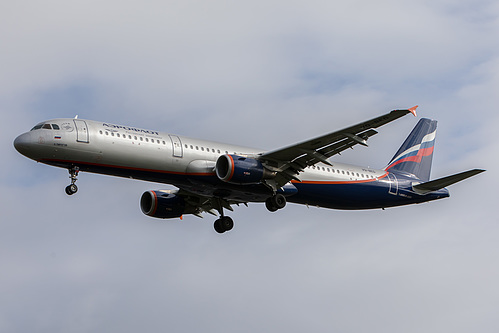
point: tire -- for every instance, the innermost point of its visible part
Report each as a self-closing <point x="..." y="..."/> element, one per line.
<point x="227" y="223"/>
<point x="279" y="201"/>
<point x="218" y="227"/>
<point x="71" y="189"/>
<point x="270" y="205"/>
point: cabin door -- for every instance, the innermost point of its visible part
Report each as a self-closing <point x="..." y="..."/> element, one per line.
<point x="176" y="146"/>
<point x="81" y="130"/>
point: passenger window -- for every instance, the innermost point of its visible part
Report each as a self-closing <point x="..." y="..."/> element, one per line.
<point x="218" y="151"/>
<point x="197" y="147"/>
<point x="46" y="126"/>
<point x="118" y="135"/>
<point x="141" y="139"/>
<point x="56" y="127"/>
<point x="192" y="147"/>
<point x="112" y="133"/>
<point x="202" y="148"/>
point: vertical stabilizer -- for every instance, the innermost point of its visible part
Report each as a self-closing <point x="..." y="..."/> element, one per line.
<point x="416" y="153"/>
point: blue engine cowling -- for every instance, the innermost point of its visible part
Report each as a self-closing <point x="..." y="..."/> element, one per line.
<point x="162" y="204"/>
<point x="237" y="169"/>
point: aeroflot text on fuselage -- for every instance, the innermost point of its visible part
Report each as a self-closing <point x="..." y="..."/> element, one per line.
<point x="214" y="180"/>
<point x="126" y="128"/>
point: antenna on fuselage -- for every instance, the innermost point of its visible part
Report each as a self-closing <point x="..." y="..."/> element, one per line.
<point x="76" y="117"/>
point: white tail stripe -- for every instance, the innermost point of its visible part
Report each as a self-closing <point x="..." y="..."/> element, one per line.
<point x="427" y="138"/>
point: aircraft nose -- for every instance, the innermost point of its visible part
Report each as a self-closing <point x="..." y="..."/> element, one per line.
<point x="23" y="143"/>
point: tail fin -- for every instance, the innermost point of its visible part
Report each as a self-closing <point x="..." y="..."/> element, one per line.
<point x="416" y="153"/>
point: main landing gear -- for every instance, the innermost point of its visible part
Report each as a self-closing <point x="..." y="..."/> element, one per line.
<point x="224" y="223"/>
<point x="276" y="202"/>
<point x="72" y="188"/>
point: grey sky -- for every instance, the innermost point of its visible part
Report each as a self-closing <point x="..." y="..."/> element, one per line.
<point x="264" y="74"/>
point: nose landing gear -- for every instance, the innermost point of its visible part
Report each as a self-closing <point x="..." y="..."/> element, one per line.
<point x="72" y="188"/>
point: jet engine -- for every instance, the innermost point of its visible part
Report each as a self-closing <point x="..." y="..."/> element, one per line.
<point x="241" y="170"/>
<point x="162" y="204"/>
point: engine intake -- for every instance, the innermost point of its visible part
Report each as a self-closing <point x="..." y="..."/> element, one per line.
<point x="237" y="169"/>
<point x="162" y="204"/>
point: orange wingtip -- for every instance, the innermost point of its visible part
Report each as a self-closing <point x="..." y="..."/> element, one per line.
<point x="413" y="110"/>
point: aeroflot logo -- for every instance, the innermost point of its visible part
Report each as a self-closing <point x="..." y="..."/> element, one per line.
<point x="130" y="129"/>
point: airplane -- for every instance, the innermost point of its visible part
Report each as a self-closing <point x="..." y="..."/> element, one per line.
<point x="211" y="177"/>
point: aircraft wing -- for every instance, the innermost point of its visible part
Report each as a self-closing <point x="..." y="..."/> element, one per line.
<point x="197" y="204"/>
<point x="289" y="161"/>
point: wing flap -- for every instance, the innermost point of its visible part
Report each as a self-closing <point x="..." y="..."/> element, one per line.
<point x="198" y="204"/>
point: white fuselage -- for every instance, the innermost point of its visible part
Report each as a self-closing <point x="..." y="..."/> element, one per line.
<point x="110" y="145"/>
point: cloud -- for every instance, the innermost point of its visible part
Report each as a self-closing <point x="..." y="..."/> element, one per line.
<point x="264" y="74"/>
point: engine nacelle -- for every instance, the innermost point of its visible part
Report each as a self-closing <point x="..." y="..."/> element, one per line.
<point x="237" y="169"/>
<point x="162" y="204"/>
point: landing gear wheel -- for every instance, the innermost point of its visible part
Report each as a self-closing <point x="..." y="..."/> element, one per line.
<point x="218" y="227"/>
<point x="71" y="189"/>
<point x="270" y="206"/>
<point x="279" y="201"/>
<point x="223" y="224"/>
<point x="276" y="202"/>
<point x="226" y="223"/>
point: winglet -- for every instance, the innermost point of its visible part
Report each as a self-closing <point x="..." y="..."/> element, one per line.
<point x="413" y="110"/>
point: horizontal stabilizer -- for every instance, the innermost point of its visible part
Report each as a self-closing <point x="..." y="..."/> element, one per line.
<point x="437" y="184"/>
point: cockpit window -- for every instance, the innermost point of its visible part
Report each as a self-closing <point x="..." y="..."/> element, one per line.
<point x="37" y="127"/>
<point x="46" y="126"/>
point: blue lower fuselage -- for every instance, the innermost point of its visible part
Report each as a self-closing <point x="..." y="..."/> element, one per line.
<point x="387" y="191"/>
